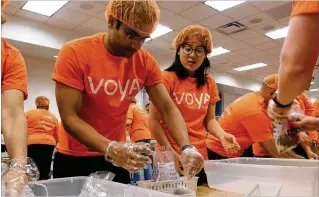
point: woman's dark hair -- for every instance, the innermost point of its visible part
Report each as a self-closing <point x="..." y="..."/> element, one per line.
<point x="200" y="74"/>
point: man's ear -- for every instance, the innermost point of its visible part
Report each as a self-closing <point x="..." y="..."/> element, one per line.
<point x="111" y="22"/>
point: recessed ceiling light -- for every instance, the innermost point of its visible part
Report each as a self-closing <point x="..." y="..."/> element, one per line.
<point x="312" y="83"/>
<point x="249" y="67"/>
<point x="47" y="8"/>
<point x="222" y="5"/>
<point x="313" y="90"/>
<point x="218" y="51"/>
<point x="279" y="33"/>
<point x="55" y="56"/>
<point x="159" y="31"/>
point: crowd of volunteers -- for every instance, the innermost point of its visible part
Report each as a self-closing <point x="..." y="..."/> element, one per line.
<point x="103" y="128"/>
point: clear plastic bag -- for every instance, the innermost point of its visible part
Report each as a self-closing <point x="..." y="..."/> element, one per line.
<point x="92" y="186"/>
<point x="164" y="165"/>
<point x="286" y="137"/>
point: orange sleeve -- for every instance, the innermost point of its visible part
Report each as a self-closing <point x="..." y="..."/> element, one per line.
<point x="14" y="73"/>
<point x="167" y="81"/>
<point x="316" y="108"/>
<point x="304" y="7"/>
<point x="154" y="75"/>
<point x="308" y="106"/>
<point x="214" y="97"/>
<point x="67" y="69"/>
<point x="139" y="128"/>
<point x="130" y="113"/>
<point x="257" y="127"/>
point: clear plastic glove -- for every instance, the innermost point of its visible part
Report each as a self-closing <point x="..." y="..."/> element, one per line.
<point x="128" y="155"/>
<point x="192" y="162"/>
<point x="305" y="123"/>
<point x="312" y="155"/>
<point x="14" y="180"/>
<point x="230" y="144"/>
<point x="178" y="164"/>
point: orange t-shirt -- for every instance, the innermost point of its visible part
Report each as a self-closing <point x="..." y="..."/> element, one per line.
<point x="13" y="69"/>
<point x="316" y="108"/>
<point x="246" y="119"/>
<point x="304" y="7"/>
<point x="139" y="129"/>
<point x="42" y="127"/>
<point x="108" y="84"/>
<point x="193" y="104"/>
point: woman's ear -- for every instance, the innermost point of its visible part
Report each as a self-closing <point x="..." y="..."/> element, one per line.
<point x="111" y="22"/>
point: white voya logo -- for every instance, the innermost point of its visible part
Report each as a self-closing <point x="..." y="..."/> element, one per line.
<point x="190" y="98"/>
<point x="112" y="86"/>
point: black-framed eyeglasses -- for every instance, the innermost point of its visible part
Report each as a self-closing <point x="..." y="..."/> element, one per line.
<point x="139" y="39"/>
<point x="188" y="49"/>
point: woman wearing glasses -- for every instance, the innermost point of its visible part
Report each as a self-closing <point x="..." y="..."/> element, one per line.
<point x="195" y="94"/>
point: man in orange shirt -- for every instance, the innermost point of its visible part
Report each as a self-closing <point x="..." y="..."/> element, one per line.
<point x="247" y="119"/>
<point x="42" y="135"/>
<point x="96" y="78"/>
<point x="298" y="58"/>
<point x="14" y="125"/>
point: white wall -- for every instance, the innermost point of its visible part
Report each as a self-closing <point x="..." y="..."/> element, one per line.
<point x="40" y="83"/>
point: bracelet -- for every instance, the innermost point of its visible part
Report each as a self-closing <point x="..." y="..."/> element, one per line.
<point x="186" y="147"/>
<point x="279" y="104"/>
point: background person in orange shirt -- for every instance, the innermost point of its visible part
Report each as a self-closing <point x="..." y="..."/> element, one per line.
<point x="96" y="78"/>
<point x="247" y="119"/>
<point x="298" y="58"/>
<point x="195" y="94"/>
<point x="138" y="131"/>
<point x="13" y="121"/>
<point x="42" y="135"/>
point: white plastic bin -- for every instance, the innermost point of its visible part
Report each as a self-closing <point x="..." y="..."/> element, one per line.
<point x="297" y="177"/>
<point x="72" y="186"/>
<point x="265" y="190"/>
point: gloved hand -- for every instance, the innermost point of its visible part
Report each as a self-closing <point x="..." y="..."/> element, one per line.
<point x="15" y="178"/>
<point x="276" y="112"/>
<point x="128" y="155"/>
<point x="178" y="164"/>
<point x="192" y="161"/>
<point x="304" y="138"/>
<point x="230" y="144"/>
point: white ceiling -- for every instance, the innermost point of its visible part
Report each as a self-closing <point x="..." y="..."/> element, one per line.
<point x="247" y="47"/>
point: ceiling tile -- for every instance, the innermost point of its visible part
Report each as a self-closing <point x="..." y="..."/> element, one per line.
<point x="246" y="50"/>
<point x="176" y="22"/>
<point x="274" y="51"/>
<point x="177" y="6"/>
<point x="169" y="37"/>
<point x="10" y="10"/>
<point x="241" y="11"/>
<point x="85" y="31"/>
<point x="252" y="21"/>
<point x="71" y="16"/>
<point x="267" y="27"/>
<point x="161" y="44"/>
<point x="166" y="14"/>
<point x="266" y="5"/>
<point x="17" y="4"/>
<point x="216" y="34"/>
<point x="267" y="45"/>
<point x="101" y="15"/>
<point x="280" y="42"/>
<point x="96" y="24"/>
<point x="229" y="43"/>
<point x="284" y="21"/>
<point x="244" y="35"/>
<point x="257" y="40"/>
<point x="280" y="12"/>
<point x="216" y="21"/>
<point x="86" y="7"/>
<point x="32" y="16"/>
<point x="198" y="12"/>
<point x="60" y="24"/>
<point x="257" y="55"/>
<point x="104" y="2"/>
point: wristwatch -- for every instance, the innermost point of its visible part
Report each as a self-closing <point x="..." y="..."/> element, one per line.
<point x="279" y="104"/>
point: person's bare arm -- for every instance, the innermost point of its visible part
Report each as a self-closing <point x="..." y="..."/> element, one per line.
<point x="270" y="147"/>
<point x="14" y="125"/>
<point x="298" y="57"/>
<point x="69" y="101"/>
<point x="170" y="114"/>
<point x="156" y="128"/>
